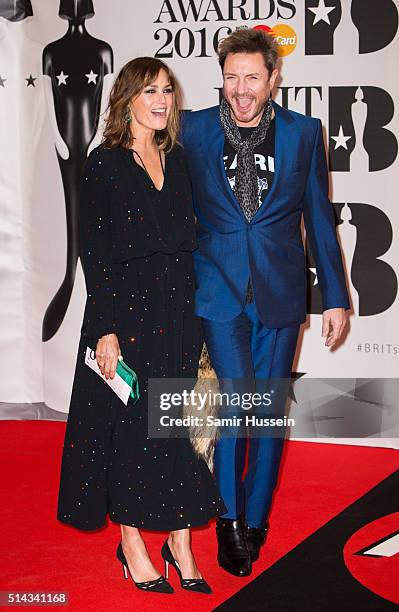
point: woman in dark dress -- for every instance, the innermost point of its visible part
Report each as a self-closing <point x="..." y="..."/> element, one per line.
<point x="137" y="234"/>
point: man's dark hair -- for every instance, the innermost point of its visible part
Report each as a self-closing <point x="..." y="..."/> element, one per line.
<point x="250" y="41"/>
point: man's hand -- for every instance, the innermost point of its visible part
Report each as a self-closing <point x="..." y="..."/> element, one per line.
<point x="334" y="323"/>
<point x="107" y="353"/>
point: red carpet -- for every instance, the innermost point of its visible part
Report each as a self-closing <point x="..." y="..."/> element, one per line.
<point x="40" y="554"/>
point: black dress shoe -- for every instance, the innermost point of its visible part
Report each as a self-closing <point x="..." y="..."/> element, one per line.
<point x="256" y="537"/>
<point x="233" y="552"/>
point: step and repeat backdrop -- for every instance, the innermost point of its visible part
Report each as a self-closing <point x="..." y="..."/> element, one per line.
<point x="57" y="64"/>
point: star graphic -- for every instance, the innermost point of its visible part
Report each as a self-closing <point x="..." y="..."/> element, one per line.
<point x="91" y="77"/>
<point x="2" y="81"/>
<point x="31" y="81"/>
<point x="321" y="12"/>
<point x="340" y="140"/>
<point x="62" y="78"/>
<point x="316" y="280"/>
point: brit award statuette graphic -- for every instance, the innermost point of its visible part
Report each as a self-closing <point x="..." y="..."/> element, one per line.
<point x="75" y="67"/>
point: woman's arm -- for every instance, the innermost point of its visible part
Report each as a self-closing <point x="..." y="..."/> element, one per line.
<point x="95" y="246"/>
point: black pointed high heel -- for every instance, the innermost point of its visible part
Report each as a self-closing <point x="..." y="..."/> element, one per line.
<point x="159" y="585"/>
<point x="197" y="585"/>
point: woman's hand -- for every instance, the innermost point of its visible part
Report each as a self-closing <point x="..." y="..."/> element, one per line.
<point x="107" y="353"/>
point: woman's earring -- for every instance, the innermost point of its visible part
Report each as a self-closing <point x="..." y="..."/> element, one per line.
<point x="128" y="116"/>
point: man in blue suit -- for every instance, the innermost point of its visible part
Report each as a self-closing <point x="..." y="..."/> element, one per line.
<point x="256" y="168"/>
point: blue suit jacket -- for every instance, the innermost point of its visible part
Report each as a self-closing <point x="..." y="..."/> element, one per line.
<point x="269" y="249"/>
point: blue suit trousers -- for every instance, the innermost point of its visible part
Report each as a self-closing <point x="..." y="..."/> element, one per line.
<point x="243" y="348"/>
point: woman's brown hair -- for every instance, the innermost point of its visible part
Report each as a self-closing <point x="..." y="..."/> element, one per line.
<point x="130" y="82"/>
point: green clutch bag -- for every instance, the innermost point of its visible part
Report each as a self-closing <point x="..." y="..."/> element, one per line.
<point x="130" y="377"/>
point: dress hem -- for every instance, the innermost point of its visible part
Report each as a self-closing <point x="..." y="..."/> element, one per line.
<point x="119" y="520"/>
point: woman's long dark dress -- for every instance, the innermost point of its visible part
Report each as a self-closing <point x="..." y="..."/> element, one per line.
<point x="136" y="245"/>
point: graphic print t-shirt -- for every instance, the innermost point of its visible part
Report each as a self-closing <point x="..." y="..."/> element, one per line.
<point x="264" y="160"/>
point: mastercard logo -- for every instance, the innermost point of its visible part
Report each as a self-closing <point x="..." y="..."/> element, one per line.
<point x="284" y="35"/>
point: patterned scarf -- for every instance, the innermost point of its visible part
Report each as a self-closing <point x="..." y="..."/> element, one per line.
<point x="246" y="182"/>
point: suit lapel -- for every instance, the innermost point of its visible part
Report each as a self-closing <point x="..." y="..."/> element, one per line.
<point x="216" y="164"/>
<point x="282" y="155"/>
